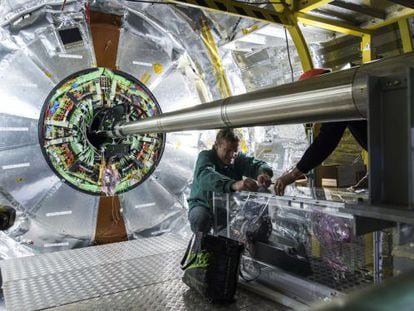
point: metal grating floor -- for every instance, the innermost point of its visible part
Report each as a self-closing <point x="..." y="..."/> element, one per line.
<point x="135" y="275"/>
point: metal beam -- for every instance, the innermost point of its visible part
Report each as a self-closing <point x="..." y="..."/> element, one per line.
<point x="238" y="9"/>
<point x="309" y="5"/>
<point x="394" y="213"/>
<point x="335" y="15"/>
<point x="301" y="46"/>
<point x="359" y="8"/>
<point x="249" y="11"/>
<point x="407" y="3"/>
<point x="219" y="71"/>
<point x="299" y="41"/>
<point x="366" y="48"/>
<point x="405" y="34"/>
<point x="390" y="165"/>
<point x="331" y="25"/>
<point x="391" y="18"/>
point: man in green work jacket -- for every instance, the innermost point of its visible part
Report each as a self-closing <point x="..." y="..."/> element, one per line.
<point x="221" y="170"/>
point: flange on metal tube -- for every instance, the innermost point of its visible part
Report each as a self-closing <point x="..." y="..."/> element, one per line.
<point x="335" y="96"/>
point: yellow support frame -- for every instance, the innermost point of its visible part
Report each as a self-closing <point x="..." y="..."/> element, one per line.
<point x="282" y="15"/>
<point x="237" y="8"/>
<point x="405" y="33"/>
<point x="301" y="46"/>
<point x="309" y="5"/>
<point x="298" y="39"/>
<point x="393" y="18"/>
<point x="221" y="77"/>
<point x="366" y="44"/>
<point x="331" y="25"/>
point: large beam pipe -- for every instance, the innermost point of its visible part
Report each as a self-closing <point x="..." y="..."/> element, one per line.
<point x="335" y="96"/>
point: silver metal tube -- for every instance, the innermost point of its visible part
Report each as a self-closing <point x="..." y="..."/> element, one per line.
<point x="331" y="97"/>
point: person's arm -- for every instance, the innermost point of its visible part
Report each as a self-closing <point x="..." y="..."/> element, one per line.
<point x="324" y="144"/>
<point x="255" y="169"/>
<point x="286" y="179"/>
<point x="211" y="180"/>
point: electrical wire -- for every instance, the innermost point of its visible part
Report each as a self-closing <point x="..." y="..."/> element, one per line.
<point x="288" y="53"/>
<point x="233" y="31"/>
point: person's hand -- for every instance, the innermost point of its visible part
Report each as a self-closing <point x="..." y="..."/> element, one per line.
<point x="247" y="184"/>
<point x="286" y="179"/>
<point x="264" y="180"/>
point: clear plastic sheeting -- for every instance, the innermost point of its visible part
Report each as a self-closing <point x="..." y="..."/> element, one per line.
<point x="26" y="175"/>
<point x="308" y="239"/>
<point x="307" y="248"/>
<point x="10" y="248"/>
<point x="185" y="92"/>
<point x="280" y="146"/>
<point x="152" y="210"/>
<point x="23" y="85"/>
<point x="329" y="229"/>
<point x="14" y="9"/>
<point x="147" y="50"/>
<point x="183" y="26"/>
<point x="58" y="42"/>
<point x="108" y="6"/>
<point x="24" y="128"/>
<point x="75" y="215"/>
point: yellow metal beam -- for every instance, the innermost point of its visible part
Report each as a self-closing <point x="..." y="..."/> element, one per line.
<point x="298" y="40"/>
<point x="331" y="25"/>
<point x="309" y="5"/>
<point x="392" y="18"/>
<point x="301" y="47"/>
<point x="366" y="44"/>
<point x="405" y="33"/>
<point x="237" y="8"/>
<point x="215" y="60"/>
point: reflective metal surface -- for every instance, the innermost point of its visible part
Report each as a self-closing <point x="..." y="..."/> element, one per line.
<point x="26" y="175"/>
<point x="269" y="106"/>
<point x="17" y="132"/>
<point x="156" y="211"/>
<point x="136" y="275"/>
<point x="24" y="85"/>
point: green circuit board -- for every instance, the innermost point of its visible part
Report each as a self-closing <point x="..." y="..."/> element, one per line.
<point x="71" y="131"/>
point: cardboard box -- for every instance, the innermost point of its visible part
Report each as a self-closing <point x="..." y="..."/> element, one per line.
<point x="337" y="176"/>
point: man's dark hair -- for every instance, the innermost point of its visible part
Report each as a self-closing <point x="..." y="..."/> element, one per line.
<point x="228" y="135"/>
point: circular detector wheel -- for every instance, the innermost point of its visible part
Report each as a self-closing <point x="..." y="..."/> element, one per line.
<point x="74" y="118"/>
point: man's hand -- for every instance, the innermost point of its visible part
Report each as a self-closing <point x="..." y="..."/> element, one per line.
<point x="264" y="180"/>
<point x="247" y="184"/>
<point x="286" y="179"/>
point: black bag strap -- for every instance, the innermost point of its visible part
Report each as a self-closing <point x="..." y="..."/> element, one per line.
<point x="187" y="252"/>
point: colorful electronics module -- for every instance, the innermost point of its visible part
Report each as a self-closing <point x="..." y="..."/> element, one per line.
<point x="72" y="128"/>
